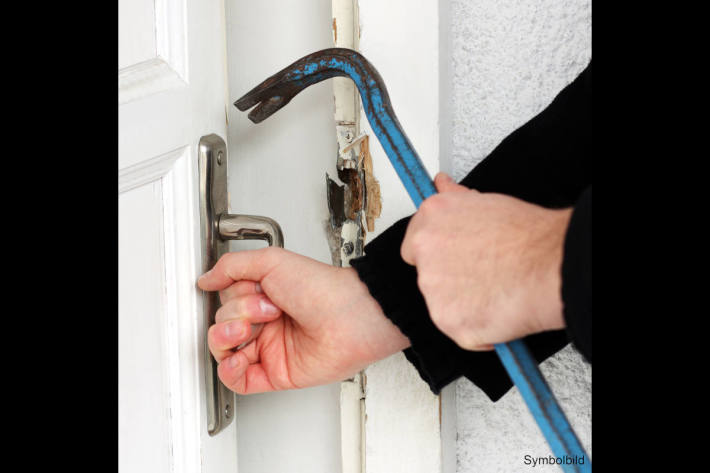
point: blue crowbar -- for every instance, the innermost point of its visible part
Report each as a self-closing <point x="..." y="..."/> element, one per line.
<point x="278" y="90"/>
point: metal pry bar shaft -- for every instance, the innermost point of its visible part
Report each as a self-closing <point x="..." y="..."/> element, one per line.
<point x="279" y="89"/>
<point x="276" y="91"/>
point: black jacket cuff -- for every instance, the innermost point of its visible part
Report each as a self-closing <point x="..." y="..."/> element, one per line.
<point x="577" y="275"/>
<point x="437" y="358"/>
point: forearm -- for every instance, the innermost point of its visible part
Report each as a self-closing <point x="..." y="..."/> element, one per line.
<point x="547" y="162"/>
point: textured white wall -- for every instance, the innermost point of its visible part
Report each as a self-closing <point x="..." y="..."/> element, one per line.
<point x="509" y="58"/>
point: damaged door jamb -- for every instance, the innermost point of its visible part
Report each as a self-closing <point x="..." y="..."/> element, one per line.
<point x="353" y="205"/>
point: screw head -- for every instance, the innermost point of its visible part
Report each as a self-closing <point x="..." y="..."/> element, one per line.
<point x="348" y="248"/>
<point x="219" y="158"/>
<point x="228" y="411"/>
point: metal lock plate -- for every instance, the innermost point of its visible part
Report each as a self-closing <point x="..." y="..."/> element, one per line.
<point x="218" y="226"/>
<point x="214" y="201"/>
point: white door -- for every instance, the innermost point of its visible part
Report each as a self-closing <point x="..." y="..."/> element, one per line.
<point x="277" y="168"/>
<point x="172" y="91"/>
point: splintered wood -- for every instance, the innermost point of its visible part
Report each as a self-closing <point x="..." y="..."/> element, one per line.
<point x="373" y="199"/>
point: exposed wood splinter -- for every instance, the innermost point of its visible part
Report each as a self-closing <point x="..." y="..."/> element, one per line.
<point x="373" y="198"/>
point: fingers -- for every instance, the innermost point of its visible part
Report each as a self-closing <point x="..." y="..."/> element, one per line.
<point x="233" y="323"/>
<point x="417" y="237"/>
<point x="223" y="337"/>
<point x="256" y="308"/>
<point x="482" y="348"/>
<point x="444" y="183"/>
<point x="252" y="265"/>
<point x="243" y="378"/>
<point x="412" y="241"/>
<point x="240" y="288"/>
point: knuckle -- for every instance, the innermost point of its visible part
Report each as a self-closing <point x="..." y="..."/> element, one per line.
<point x="226" y="260"/>
<point x="216" y="337"/>
<point x="212" y="338"/>
<point x="230" y="310"/>
<point x="418" y="242"/>
<point x="215" y="346"/>
<point x="437" y="319"/>
<point x="467" y="341"/>
<point x="227" y="376"/>
<point x="434" y="204"/>
<point x="269" y="257"/>
<point x="444" y="323"/>
<point x="426" y="207"/>
<point x="271" y="253"/>
<point x="424" y="281"/>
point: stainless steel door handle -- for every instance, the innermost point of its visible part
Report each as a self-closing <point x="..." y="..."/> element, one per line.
<point x="217" y="227"/>
<point x="250" y="227"/>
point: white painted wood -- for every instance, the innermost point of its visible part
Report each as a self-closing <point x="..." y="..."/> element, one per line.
<point x="145" y="78"/>
<point x="352" y="425"/>
<point x="162" y="418"/>
<point x="402" y="40"/>
<point x="144" y="397"/>
<point x="402" y="419"/>
<point x="346" y="99"/>
<point x="136" y="32"/>
<point x="171" y="34"/>
<point x="148" y="171"/>
<point x="277" y="168"/>
<point x="152" y="47"/>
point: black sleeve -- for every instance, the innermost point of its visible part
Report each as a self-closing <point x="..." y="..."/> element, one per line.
<point x="547" y="162"/>
<point x="577" y="275"/>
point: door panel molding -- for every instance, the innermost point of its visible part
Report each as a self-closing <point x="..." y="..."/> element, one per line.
<point x="148" y="170"/>
<point x="168" y="70"/>
<point x="183" y="326"/>
<point x="147" y="78"/>
<point x="160" y="306"/>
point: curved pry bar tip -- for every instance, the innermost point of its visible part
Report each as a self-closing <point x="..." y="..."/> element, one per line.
<point x="275" y="92"/>
<point x="264" y="110"/>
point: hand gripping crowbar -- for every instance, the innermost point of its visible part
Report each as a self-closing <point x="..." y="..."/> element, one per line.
<point x="278" y="90"/>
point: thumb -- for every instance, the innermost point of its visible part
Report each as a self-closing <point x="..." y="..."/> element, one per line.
<point x="251" y="265"/>
<point x="444" y="183"/>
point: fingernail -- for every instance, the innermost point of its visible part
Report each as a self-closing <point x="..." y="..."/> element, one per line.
<point x="205" y="275"/>
<point x="258" y="288"/>
<point x="448" y="178"/>
<point x="233" y="361"/>
<point x="267" y="307"/>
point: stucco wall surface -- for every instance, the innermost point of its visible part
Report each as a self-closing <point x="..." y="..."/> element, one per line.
<point x="509" y="58"/>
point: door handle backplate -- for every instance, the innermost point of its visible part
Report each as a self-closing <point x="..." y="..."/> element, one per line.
<point x="217" y="227"/>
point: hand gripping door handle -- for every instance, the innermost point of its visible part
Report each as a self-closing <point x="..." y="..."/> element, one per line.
<point x="217" y="227"/>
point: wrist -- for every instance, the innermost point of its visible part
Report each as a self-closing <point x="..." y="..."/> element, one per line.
<point x="548" y="290"/>
<point x="384" y="337"/>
